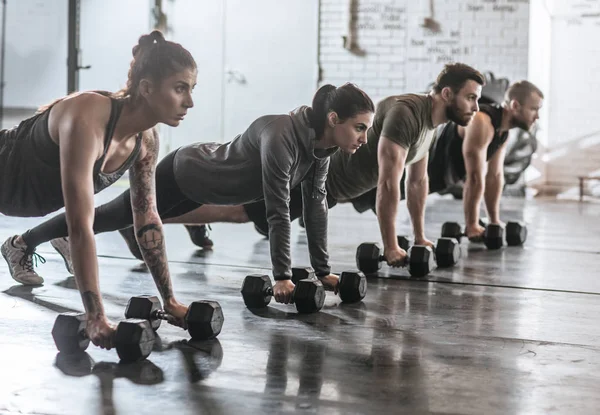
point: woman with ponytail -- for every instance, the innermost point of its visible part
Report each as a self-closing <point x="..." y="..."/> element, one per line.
<point x="275" y="154"/>
<point x="81" y="144"/>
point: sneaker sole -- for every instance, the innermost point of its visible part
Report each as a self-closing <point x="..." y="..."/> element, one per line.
<point x="67" y="266"/>
<point x="13" y="276"/>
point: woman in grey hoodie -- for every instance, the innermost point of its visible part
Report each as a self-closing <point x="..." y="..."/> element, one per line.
<point x="275" y="154"/>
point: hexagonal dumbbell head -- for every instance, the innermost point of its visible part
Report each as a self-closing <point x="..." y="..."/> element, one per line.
<point x="257" y="291"/>
<point x="447" y="252"/>
<point x="353" y="286"/>
<point x="144" y="307"/>
<point x="403" y="242"/>
<point x="204" y="319"/>
<point x="302" y="273"/>
<point x="493" y="236"/>
<point x="516" y="233"/>
<point x="69" y="334"/>
<point x="134" y="339"/>
<point x="309" y="296"/>
<point x="367" y="258"/>
<point x="452" y="230"/>
<point x="421" y="260"/>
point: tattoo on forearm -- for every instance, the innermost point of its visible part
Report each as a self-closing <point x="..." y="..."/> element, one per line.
<point x="142" y="178"/>
<point x="92" y="304"/>
<point x="151" y="242"/>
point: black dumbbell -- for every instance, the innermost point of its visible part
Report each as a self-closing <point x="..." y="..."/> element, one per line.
<point x="204" y="319"/>
<point x="447" y="251"/>
<point x="420" y="259"/>
<point x="352" y="286"/>
<point x="133" y="340"/>
<point x="257" y="291"/>
<point x="516" y="233"/>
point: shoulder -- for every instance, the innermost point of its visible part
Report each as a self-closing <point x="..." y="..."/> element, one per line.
<point x="86" y="108"/>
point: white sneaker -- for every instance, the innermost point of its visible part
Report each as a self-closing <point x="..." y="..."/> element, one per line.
<point x="62" y="247"/>
<point x="20" y="262"/>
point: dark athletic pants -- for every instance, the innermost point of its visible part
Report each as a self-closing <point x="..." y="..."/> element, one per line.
<point x="117" y="214"/>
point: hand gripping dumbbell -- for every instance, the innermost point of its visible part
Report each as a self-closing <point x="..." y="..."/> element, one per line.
<point x="446" y="250"/>
<point x="420" y="259"/>
<point x="133" y="339"/>
<point x="516" y="233"/>
<point x="257" y="291"/>
<point x="204" y="319"/>
<point x="352" y="286"/>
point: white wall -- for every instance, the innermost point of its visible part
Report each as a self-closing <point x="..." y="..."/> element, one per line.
<point x="109" y="31"/>
<point x="565" y="63"/>
<point x="36" y="52"/>
<point x="401" y="56"/>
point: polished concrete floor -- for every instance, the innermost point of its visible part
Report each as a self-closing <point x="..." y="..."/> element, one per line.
<point x="505" y="332"/>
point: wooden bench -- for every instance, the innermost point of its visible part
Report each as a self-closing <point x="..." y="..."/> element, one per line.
<point x="582" y="180"/>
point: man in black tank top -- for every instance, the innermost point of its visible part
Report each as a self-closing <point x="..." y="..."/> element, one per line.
<point x="475" y="154"/>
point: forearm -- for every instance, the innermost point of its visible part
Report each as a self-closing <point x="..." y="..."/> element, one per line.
<point x="279" y="241"/>
<point x="493" y="191"/>
<point x="388" y="196"/>
<point x="85" y="264"/>
<point x="416" y="198"/>
<point x="150" y="237"/>
<point x="315" y="220"/>
<point x="472" y="194"/>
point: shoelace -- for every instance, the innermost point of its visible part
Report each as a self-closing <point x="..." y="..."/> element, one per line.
<point x="29" y="258"/>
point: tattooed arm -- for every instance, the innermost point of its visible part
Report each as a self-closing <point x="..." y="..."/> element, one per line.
<point x="148" y="225"/>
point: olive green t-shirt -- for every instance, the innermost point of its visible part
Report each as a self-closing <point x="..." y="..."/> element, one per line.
<point x="404" y="119"/>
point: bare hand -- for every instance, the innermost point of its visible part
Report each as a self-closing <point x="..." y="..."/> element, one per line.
<point x="101" y="332"/>
<point x="395" y="257"/>
<point x="424" y="241"/>
<point x="283" y="291"/>
<point x="176" y="314"/>
<point x="475" y="233"/>
<point x="330" y="282"/>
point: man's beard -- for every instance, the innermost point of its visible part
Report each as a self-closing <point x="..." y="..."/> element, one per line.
<point x="453" y="114"/>
<point x="520" y="123"/>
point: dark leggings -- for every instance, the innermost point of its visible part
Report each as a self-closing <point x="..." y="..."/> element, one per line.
<point x="117" y="214"/>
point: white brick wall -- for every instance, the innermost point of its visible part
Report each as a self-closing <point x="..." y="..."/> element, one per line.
<point x="401" y="56"/>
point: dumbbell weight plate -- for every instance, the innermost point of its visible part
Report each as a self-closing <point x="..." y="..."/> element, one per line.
<point x="452" y="230"/>
<point x="353" y="286"/>
<point x="204" y="319"/>
<point x="516" y="233"/>
<point x="257" y="291"/>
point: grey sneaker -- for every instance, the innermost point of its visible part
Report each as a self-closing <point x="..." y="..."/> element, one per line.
<point x="20" y="262"/>
<point x="61" y="245"/>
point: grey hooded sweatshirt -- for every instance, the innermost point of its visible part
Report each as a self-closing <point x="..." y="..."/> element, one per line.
<point x="275" y="154"/>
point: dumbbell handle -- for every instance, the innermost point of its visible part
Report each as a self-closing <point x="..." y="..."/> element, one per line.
<point x="269" y="291"/>
<point x="159" y="315"/>
<point x="384" y="259"/>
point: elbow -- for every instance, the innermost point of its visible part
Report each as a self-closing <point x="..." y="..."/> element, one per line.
<point x="475" y="179"/>
<point x="417" y="183"/>
<point x="497" y="176"/>
<point x="79" y="229"/>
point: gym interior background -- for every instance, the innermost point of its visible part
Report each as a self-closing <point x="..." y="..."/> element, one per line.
<point x="257" y="57"/>
<point x="384" y="46"/>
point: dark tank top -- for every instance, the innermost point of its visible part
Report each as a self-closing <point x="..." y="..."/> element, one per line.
<point x="446" y="162"/>
<point x="31" y="184"/>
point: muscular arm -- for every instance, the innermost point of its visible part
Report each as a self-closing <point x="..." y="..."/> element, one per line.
<point x="494" y="183"/>
<point x="477" y="138"/>
<point x="315" y="211"/>
<point x="146" y="221"/>
<point x="417" y="188"/>
<point x="81" y="136"/>
<point x="391" y="158"/>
